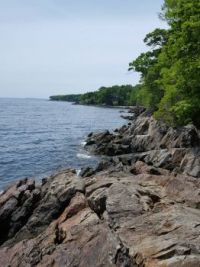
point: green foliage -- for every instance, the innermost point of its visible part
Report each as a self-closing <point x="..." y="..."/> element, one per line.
<point x="69" y="98"/>
<point x="157" y="38"/>
<point x="135" y="96"/>
<point x="108" y="96"/>
<point x="170" y="71"/>
<point x="147" y="64"/>
<point x="181" y="78"/>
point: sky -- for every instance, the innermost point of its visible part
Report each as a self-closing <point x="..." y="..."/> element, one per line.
<point x="50" y="47"/>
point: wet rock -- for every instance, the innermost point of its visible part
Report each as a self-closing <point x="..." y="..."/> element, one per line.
<point x="90" y="134"/>
<point x="103" y="165"/>
<point x="137" y="110"/>
<point x="128" y="117"/>
<point x="86" y="172"/>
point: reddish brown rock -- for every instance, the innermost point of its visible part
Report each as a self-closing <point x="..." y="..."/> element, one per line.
<point x="141" y="208"/>
<point x="152" y="141"/>
<point x="155" y="216"/>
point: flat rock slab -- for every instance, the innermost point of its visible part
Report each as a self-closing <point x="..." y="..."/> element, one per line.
<point x="149" y="218"/>
<point x="140" y="207"/>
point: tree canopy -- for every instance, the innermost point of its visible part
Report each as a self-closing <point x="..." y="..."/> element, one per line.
<point x="117" y="95"/>
<point x="70" y="98"/>
<point x="170" y="70"/>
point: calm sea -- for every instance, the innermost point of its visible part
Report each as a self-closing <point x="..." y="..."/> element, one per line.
<point x="39" y="137"/>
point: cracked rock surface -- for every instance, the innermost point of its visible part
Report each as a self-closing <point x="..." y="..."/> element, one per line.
<point x="131" y="211"/>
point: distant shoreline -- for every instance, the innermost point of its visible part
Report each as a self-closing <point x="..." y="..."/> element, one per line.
<point x="92" y="105"/>
<point x="102" y="106"/>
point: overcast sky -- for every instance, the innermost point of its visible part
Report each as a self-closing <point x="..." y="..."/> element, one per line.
<point x="70" y="46"/>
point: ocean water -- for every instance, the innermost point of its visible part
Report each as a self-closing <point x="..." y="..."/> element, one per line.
<point x="39" y="137"/>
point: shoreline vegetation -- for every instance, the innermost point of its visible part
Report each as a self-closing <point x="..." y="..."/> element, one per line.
<point x="169" y="71"/>
<point x="114" y="96"/>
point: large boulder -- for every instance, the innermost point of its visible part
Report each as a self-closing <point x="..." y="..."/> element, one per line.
<point x="183" y="137"/>
<point x="155" y="214"/>
<point x="176" y="149"/>
<point x="26" y="210"/>
<point x="114" y="218"/>
<point x="77" y="238"/>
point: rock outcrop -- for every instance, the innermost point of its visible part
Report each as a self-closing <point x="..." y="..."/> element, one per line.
<point x="152" y="141"/>
<point x="139" y="207"/>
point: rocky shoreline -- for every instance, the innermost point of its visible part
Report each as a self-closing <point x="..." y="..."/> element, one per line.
<point x="139" y="207"/>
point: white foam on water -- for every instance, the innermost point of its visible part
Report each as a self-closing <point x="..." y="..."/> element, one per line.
<point x="1" y="192"/>
<point x="83" y="156"/>
<point x="78" y="171"/>
<point x="83" y="143"/>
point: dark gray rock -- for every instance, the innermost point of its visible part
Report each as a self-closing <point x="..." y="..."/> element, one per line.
<point x="86" y="172"/>
<point x="139" y="207"/>
<point x="153" y="142"/>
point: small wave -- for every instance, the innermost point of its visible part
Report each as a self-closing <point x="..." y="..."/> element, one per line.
<point x="38" y="141"/>
<point x="83" y="156"/>
<point x="78" y="172"/>
<point x="1" y="192"/>
<point x="83" y="143"/>
<point x="7" y="162"/>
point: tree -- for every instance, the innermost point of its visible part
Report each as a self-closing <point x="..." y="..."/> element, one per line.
<point x="181" y="76"/>
<point x="148" y="65"/>
<point x="170" y="71"/>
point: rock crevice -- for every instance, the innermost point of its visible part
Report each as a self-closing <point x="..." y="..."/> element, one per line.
<point x="138" y="208"/>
